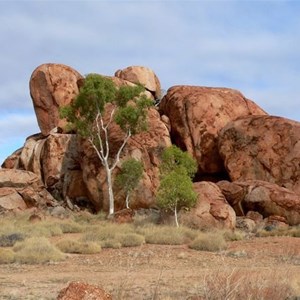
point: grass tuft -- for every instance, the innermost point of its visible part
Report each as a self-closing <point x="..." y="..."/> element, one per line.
<point x="210" y="241"/>
<point x="36" y="250"/>
<point x="72" y="246"/>
<point x="130" y="240"/>
<point x="7" y="256"/>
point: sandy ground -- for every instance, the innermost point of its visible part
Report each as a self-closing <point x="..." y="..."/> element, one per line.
<point x="164" y="272"/>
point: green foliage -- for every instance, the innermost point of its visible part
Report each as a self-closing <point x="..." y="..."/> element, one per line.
<point x="176" y="187"/>
<point x="176" y="191"/>
<point x="96" y="92"/>
<point x="174" y="159"/>
<point x="130" y="175"/>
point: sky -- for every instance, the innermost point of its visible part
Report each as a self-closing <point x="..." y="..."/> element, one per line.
<point x="252" y="46"/>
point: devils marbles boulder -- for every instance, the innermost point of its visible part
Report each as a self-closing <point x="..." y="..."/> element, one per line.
<point x="27" y="185"/>
<point x="211" y="210"/>
<point x="197" y="114"/>
<point x="141" y="75"/>
<point x="146" y="147"/>
<point x="262" y="148"/>
<point x="83" y="291"/>
<point x="270" y="199"/>
<point x="52" y="86"/>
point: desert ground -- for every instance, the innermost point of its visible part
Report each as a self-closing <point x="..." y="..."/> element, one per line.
<point x="252" y="268"/>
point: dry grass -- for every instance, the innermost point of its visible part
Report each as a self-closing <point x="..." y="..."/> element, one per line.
<point x="36" y="250"/>
<point x="293" y="231"/>
<point x="236" y="284"/>
<point x="163" y="235"/>
<point x="73" y="246"/>
<point x="130" y="239"/>
<point x="7" y="256"/>
<point x="8" y="240"/>
<point x="209" y="241"/>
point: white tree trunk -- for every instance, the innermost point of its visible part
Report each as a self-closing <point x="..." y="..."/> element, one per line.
<point x="176" y="217"/>
<point x="127" y="200"/>
<point x="110" y="190"/>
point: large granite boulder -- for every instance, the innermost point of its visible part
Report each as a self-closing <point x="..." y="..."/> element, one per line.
<point x="141" y="75"/>
<point x="52" y="86"/>
<point x="255" y="197"/>
<point x="262" y="148"/>
<point x="197" y="114"/>
<point x="21" y="189"/>
<point x="211" y="211"/>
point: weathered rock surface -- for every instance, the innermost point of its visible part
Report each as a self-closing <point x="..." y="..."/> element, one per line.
<point x="211" y="210"/>
<point x="52" y="86"/>
<point x="197" y="114"/>
<point x="83" y="291"/>
<point x="141" y="75"/>
<point x="25" y="184"/>
<point x="145" y="147"/>
<point x="234" y="195"/>
<point x="10" y="199"/>
<point x="262" y="148"/>
<point x="270" y="199"/>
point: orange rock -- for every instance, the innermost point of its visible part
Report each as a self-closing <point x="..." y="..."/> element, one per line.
<point x="52" y="86"/>
<point x="141" y="75"/>
<point x="83" y="291"/>
<point x="262" y="148"/>
<point x="197" y="114"/>
<point x="211" y="210"/>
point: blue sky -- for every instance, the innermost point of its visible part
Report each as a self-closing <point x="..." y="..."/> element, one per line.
<point x="252" y="46"/>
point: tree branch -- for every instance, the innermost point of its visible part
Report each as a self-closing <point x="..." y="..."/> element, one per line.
<point x="127" y="137"/>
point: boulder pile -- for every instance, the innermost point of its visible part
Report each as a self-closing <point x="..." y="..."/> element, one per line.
<point x="248" y="161"/>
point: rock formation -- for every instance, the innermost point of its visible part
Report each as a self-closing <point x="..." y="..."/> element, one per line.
<point x="22" y="189"/>
<point x="211" y="210"/>
<point x="197" y="114"/>
<point x="254" y="158"/>
<point x="51" y="87"/>
<point x="262" y="148"/>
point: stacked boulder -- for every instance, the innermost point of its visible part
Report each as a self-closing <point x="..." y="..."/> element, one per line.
<point x="248" y="161"/>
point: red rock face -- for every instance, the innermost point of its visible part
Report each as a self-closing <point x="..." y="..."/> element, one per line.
<point x="141" y="75"/>
<point x="211" y="210"/>
<point x="271" y="200"/>
<point x="197" y="114"/>
<point x="83" y="291"/>
<point x="52" y="86"/>
<point x="262" y="148"/>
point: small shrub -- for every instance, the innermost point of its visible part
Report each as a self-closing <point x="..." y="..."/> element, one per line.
<point x="114" y="244"/>
<point x="7" y="256"/>
<point x="70" y="227"/>
<point x="230" y="235"/>
<point x="72" y="246"/>
<point x="163" y="235"/>
<point x="209" y="242"/>
<point x="106" y="231"/>
<point x="130" y="240"/>
<point x="8" y="240"/>
<point x="36" y="250"/>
